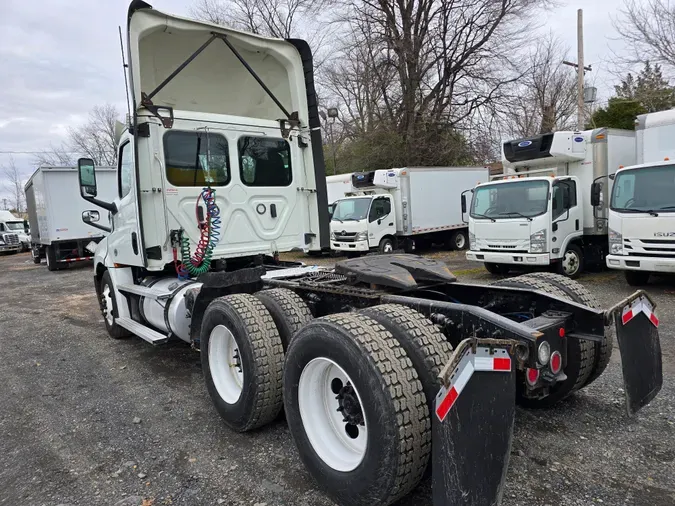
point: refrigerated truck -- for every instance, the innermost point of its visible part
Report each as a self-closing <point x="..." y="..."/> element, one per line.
<point x="540" y="213"/>
<point x="404" y="207"/>
<point x="642" y="203"/>
<point x="55" y="211"/>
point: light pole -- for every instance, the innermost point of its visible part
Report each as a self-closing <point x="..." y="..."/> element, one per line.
<point x="332" y="113"/>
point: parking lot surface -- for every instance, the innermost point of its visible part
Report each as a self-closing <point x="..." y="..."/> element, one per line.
<point x="87" y="420"/>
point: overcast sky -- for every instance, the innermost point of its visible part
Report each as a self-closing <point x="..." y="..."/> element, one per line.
<point x="59" y="58"/>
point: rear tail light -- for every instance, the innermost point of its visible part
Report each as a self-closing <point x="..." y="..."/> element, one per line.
<point x="532" y="376"/>
<point x="556" y="362"/>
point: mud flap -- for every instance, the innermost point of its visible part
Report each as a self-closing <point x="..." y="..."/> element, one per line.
<point x="473" y="424"/>
<point x="638" y="337"/>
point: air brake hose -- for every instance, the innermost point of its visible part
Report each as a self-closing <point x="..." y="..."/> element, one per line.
<point x="200" y="262"/>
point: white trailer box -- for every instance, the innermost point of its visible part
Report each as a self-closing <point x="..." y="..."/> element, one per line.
<point x="405" y="207"/>
<point x="55" y="210"/>
<point x="337" y="187"/>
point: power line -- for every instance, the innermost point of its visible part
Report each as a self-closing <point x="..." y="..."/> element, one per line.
<point x="36" y="152"/>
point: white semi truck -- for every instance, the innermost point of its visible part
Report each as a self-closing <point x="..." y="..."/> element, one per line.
<point x="642" y="203"/>
<point x="363" y="356"/>
<point x="55" y="211"/>
<point x="13" y="236"/>
<point x="540" y="212"/>
<point x="404" y="207"/>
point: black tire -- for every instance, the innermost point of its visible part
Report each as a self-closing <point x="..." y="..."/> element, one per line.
<point x="387" y="245"/>
<point x="459" y="240"/>
<point x="35" y="254"/>
<point x="260" y="352"/>
<point x="114" y="330"/>
<point x="289" y="312"/>
<point x="391" y="397"/>
<point x="50" y="254"/>
<point x="580" y="353"/>
<point x="496" y="269"/>
<point x="637" y="278"/>
<point x="579" y="293"/>
<point x="576" y="262"/>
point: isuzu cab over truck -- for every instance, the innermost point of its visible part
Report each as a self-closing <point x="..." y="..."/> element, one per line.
<point x="405" y="208"/>
<point x="642" y="203"/>
<point x="384" y="365"/>
<point x="541" y="213"/>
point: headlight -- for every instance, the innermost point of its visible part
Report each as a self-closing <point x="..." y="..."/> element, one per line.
<point x="615" y="243"/>
<point x="332" y="236"/>
<point x="362" y="236"/>
<point x="472" y="242"/>
<point x="544" y="353"/>
<point x="538" y="242"/>
<point x="2" y="240"/>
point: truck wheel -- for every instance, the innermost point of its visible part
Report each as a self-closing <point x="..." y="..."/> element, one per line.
<point x="356" y="410"/>
<point x="35" y="254"/>
<point x="637" y="278"/>
<point x="242" y="359"/>
<point x="459" y="240"/>
<point x="580" y="353"/>
<point x="289" y="312"/>
<point x="386" y="245"/>
<point x="496" y="269"/>
<point x="108" y="305"/>
<point x="572" y="262"/>
<point x="50" y="254"/>
<point x="578" y="293"/>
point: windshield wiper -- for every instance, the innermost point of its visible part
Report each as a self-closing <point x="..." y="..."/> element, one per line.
<point x="666" y="207"/>
<point x="528" y="218"/>
<point x="476" y="215"/>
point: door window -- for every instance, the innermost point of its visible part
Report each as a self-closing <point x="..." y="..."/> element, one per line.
<point x="564" y="197"/>
<point x="125" y="171"/>
<point x="196" y="158"/>
<point x="264" y="161"/>
<point x="381" y="207"/>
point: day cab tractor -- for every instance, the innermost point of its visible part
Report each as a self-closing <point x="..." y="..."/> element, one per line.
<point x="386" y="367"/>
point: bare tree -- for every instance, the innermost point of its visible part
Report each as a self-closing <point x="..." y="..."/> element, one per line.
<point x="13" y="185"/>
<point x="648" y="28"/>
<point x="95" y="139"/>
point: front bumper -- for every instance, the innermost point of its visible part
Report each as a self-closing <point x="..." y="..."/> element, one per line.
<point x="635" y="263"/>
<point x="494" y="257"/>
<point x="9" y="247"/>
<point x="350" y="246"/>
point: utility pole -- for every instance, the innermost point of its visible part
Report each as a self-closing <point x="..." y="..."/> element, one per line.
<point x="581" y="70"/>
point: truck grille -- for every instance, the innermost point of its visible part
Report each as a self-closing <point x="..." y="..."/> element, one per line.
<point x="651" y="248"/>
<point x="345" y="236"/>
<point x="11" y="239"/>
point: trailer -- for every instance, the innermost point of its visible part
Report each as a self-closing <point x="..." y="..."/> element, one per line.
<point x="642" y="203"/>
<point x="386" y="366"/>
<point x="540" y="212"/>
<point x="55" y="211"/>
<point x="407" y="207"/>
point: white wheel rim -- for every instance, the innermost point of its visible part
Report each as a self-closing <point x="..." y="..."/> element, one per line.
<point x="48" y="262"/>
<point x="225" y="363"/>
<point x="340" y="445"/>
<point x="460" y="241"/>
<point x="388" y="247"/>
<point x="570" y="262"/>
<point x="107" y="304"/>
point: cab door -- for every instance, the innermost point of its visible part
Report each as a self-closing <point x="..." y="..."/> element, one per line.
<point x="125" y="241"/>
<point x="381" y="220"/>
<point x="566" y="214"/>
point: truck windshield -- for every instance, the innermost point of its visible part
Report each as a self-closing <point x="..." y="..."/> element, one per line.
<point x="351" y="209"/>
<point x="644" y="190"/>
<point x="518" y="199"/>
<point x="14" y="225"/>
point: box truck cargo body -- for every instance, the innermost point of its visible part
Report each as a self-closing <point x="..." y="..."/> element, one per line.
<point x="55" y="210"/>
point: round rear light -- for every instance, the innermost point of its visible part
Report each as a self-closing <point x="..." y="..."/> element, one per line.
<point x="544" y="353"/>
<point x="556" y="362"/>
<point x="532" y="376"/>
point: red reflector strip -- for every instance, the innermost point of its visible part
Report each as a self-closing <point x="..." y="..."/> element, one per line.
<point x="502" y="364"/>
<point x="652" y="317"/>
<point x="77" y="259"/>
<point x="638" y="306"/>
<point x="443" y="408"/>
<point x="627" y="316"/>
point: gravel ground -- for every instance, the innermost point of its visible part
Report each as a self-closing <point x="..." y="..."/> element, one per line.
<point x="86" y="420"/>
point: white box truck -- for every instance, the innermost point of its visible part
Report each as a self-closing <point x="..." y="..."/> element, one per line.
<point x="642" y="203"/>
<point x="337" y="187"/>
<point x="55" y="213"/>
<point x="13" y="236"/>
<point x="541" y="213"/>
<point x="404" y="207"/>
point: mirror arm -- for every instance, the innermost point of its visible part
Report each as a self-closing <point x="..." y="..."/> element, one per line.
<point x="108" y="206"/>
<point x="100" y="227"/>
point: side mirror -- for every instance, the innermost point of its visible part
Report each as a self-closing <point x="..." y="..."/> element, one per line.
<point x="91" y="216"/>
<point x="379" y="221"/>
<point x="463" y="204"/>
<point x="86" y="172"/>
<point x="596" y="194"/>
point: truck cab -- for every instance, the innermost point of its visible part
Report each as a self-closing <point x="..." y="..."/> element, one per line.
<point x="540" y="212"/>
<point x="13" y="233"/>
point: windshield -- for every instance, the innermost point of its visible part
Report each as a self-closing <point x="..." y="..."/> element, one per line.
<point x="510" y="200"/>
<point x="351" y="209"/>
<point x="14" y="225"/>
<point x="643" y="190"/>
